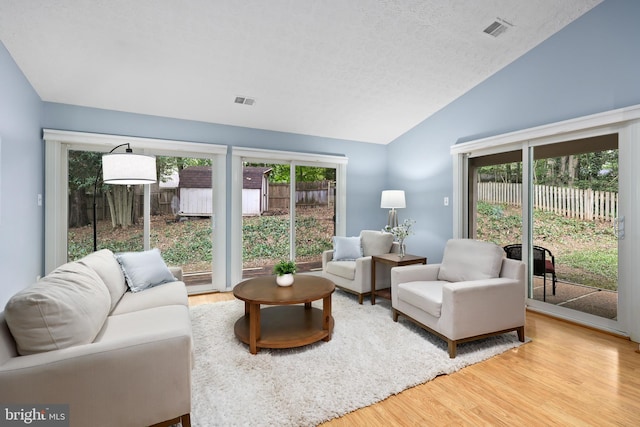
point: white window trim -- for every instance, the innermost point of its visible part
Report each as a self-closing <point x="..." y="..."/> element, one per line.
<point x="241" y="154"/>
<point x="57" y="146"/>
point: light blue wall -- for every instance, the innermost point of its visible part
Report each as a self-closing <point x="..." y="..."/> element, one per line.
<point x="591" y="66"/>
<point x="21" y="180"/>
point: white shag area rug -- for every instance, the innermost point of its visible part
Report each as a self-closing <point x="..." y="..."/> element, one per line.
<point x="369" y="358"/>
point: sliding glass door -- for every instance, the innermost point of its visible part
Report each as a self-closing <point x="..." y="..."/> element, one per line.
<point x="181" y="220"/>
<point x="565" y="199"/>
<point x="495" y="198"/>
<point x="574" y="201"/>
<point x="177" y="217"/>
<point x="315" y="215"/>
<point x="266" y="217"/>
<point x="286" y="206"/>
<point x="288" y="212"/>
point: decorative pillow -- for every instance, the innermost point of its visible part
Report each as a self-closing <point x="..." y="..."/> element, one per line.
<point x="376" y="242"/>
<point x="144" y="270"/>
<point x="67" y="307"/>
<point x="467" y="259"/>
<point x="346" y="248"/>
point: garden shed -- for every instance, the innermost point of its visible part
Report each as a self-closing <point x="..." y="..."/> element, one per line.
<point x="255" y="190"/>
<point x="195" y="191"/>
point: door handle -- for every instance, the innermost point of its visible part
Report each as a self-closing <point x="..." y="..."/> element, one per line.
<point x="619" y="227"/>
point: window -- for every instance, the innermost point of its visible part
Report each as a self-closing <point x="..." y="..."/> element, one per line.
<point x="278" y="199"/>
<point x="560" y="163"/>
<point x="62" y="146"/>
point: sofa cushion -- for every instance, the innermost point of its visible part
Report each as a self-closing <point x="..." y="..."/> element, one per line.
<point x="467" y="259"/>
<point x="145" y="269"/>
<point x="427" y="296"/>
<point x="346" y="248"/>
<point x="106" y="265"/>
<point x="67" y="307"/>
<point x="345" y="269"/>
<point x="174" y="293"/>
<point x="375" y="242"/>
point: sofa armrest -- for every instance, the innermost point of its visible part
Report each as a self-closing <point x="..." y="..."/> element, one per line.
<point x="326" y="257"/>
<point x="145" y="378"/>
<point x="475" y="307"/>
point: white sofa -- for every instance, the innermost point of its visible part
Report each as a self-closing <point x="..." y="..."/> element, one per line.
<point x="474" y="293"/>
<point x="353" y="274"/>
<point x="80" y="337"/>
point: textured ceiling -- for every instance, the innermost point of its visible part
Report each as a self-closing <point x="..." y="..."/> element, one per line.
<point x="361" y="70"/>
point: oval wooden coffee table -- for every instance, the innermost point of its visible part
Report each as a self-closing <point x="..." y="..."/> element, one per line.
<point x="286" y="323"/>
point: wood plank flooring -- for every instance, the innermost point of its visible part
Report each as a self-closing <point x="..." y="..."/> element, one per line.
<point x="568" y="375"/>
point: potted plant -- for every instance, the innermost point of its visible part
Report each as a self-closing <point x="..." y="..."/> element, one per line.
<point x="284" y="271"/>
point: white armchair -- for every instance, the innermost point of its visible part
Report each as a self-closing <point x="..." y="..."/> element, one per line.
<point x="352" y="272"/>
<point x="474" y="293"/>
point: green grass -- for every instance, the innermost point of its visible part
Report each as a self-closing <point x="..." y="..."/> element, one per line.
<point x="586" y="252"/>
<point x="188" y="243"/>
<point x="592" y="268"/>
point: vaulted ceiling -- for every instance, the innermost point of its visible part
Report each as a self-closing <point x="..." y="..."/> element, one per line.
<point x="361" y="70"/>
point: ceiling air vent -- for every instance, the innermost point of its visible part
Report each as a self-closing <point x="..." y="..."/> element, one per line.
<point x="244" y="100"/>
<point x="497" y="27"/>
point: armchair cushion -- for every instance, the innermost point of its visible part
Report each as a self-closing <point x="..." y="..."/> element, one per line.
<point x="346" y="248"/>
<point x="467" y="259"/>
<point x="345" y="269"/>
<point x="376" y="242"/>
<point x="427" y="296"/>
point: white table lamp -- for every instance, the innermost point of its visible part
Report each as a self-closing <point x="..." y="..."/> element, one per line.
<point x="392" y="200"/>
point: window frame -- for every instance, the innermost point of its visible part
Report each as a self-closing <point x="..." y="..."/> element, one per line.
<point x="58" y="143"/>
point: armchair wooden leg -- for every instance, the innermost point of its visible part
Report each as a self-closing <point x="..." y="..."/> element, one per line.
<point x="395" y="314"/>
<point x="521" y="333"/>
<point x="360" y="299"/>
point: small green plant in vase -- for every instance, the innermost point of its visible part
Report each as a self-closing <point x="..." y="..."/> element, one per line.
<point x="284" y="271"/>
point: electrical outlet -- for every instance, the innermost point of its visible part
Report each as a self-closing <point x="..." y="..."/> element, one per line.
<point x="446" y="201"/>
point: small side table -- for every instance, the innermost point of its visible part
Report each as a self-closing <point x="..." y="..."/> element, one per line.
<point x="393" y="260"/>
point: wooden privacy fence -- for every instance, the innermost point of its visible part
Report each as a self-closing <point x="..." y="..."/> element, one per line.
<point x="317" y="193"/>
<point x="160" y="203"/>
<point x="585" y="204"/>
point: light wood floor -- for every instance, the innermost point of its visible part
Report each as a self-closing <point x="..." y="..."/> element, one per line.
<point x="567" y="376"/>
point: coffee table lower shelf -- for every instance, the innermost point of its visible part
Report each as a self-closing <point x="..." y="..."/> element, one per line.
<point x="286" y="327"/>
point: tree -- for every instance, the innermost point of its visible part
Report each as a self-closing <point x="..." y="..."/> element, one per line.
<point x="83" y="167"/>
<point x="595" y="170"/>
<point x="280" y="173"/>
<point x="121" y="199"/>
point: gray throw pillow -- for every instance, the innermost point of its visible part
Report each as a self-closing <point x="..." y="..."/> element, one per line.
<point x="144" y="269"/>
<point x="346" y="248"/>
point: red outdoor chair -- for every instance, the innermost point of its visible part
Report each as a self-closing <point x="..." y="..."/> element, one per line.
<point x="543" y="263"/>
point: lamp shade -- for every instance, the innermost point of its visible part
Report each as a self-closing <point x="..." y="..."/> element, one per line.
<point x="128" y="169"/>
<point x="392" y="199"/>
